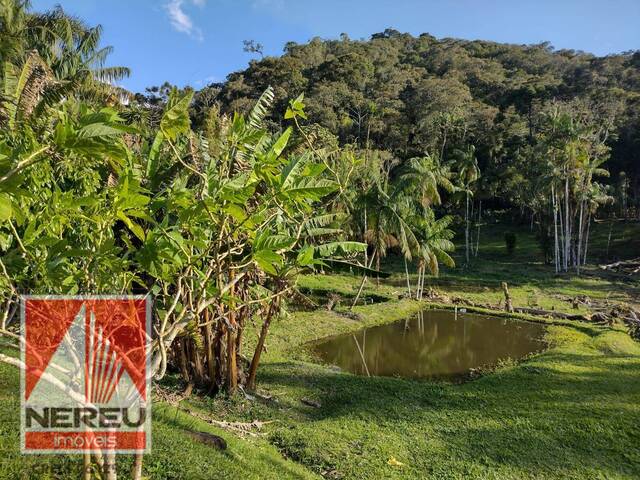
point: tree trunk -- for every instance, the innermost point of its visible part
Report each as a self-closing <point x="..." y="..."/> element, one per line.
<point x="208" y="348"/>
<point x="586" y="240"/>
<point x="466" y="229"/>
<point x="240" y="322"/>
<point x="355" y="300"/>
<point x="579" y="250"/>
<point x="609" y="237"/>
<point x="109" y="471"/>
<point x="218" y="351"/>
<point x="561" y="226"/>
<point x="479" y="220"/>
<point x="232" y="368"/>
<point x="567" y="225"/>
<point x="444" y="144"/>
<point x="136" y="469"/>
<point x="508" y="306"/>
<point x="364" y="279"/>
<point x="556" y="249"/>
<point x="253" y="368"/>
<point x="86" y="466"/>
<point x="406" y="271"/>
<point x="197" y="362"/>
<point x="183" y="361"/>
<point x="364" y="237"/>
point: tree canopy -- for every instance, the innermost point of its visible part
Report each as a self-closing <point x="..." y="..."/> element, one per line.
<point x="410" y="96"/>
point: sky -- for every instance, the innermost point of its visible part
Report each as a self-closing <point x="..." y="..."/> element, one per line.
<point x="197" y="42"/>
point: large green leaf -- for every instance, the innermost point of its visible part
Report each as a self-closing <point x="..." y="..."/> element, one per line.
<point x="175" y="120"/>
<point x="259" y="111"/>
<point x="310" y="188"/>
<point x="5" y="207"/>
<point x="279" y="145"/>
<point x="337" y="248"/>
<point x="266" y="241"/>
<point x="292" y="169"/>
<point x="99" y="130"/>
<point x="268" y="260"/>
<point x="152" y="161"/>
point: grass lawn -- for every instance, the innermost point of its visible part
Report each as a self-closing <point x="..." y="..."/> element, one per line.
<point x="572" y="411"/>
<point x="175" y="454"/>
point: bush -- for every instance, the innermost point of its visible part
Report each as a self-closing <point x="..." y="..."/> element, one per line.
<point x="545" y="241"/>
<point x="510" y="240"/>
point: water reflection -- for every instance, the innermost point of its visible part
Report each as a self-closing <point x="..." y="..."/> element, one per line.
<point x="434" y="344"/>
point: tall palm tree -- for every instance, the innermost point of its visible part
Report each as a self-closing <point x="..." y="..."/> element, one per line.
<point x="421" y="179"/>
<point x="45" y="57"/>
<point x="435" y="239"/>
<point x="388" y="226"/>
<point x="577" y="151"/>
<point x="424" y="176"/>
<point x="468" y="174"/>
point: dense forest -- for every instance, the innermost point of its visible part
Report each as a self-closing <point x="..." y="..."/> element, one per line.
<point x="398" y="97"/>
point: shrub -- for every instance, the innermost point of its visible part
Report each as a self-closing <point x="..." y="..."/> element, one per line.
<point x="545" y="242"/>
<point x="510" y="240"/>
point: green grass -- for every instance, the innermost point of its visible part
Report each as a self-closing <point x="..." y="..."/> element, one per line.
<point x="175" y="455"/>
<point x="531" y="282"/>
<point x="570" y="412"/>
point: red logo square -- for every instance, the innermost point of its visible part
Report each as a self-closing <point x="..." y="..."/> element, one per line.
<point x="86" y="382"/>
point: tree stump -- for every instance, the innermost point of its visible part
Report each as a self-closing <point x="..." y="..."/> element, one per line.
<point x="508" y="306"/>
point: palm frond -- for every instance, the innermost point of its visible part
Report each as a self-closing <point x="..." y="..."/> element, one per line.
<point x="261" y="108"/>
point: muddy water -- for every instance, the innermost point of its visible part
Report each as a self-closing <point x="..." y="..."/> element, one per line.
<point x="434" y="344"/>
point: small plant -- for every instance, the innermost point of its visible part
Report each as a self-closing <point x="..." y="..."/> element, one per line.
<point x="545" y="242"/>
<point x="510" y="241"/>
<point x="533" y="298"/>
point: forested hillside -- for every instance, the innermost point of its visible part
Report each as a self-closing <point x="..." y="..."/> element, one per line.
<point x="403" y="96"/>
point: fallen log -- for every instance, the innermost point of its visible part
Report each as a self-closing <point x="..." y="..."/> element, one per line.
<point x="630" y="267"/>
<point x="527" y="310"/>
<point x="311" y="403"/>
<point x="622" y="263"/>
<point x="214" y="441"/>
<point x="553" y="314"/>
<point x="240" y="428"/>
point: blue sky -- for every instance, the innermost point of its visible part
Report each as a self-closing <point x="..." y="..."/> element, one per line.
<point x="200" y="41"/>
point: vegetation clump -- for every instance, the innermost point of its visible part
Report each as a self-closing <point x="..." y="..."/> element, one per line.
<point x="510" y="240"/>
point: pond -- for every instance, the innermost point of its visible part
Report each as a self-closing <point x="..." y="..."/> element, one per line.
<point x="434" y="344"/>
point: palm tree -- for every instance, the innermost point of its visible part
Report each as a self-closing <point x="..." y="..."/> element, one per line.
<point x="47" y="57"/>
<point x="388" y="224"/>
<point x="435" y="239"/>
<point x="577" y="151"/>
<point x="421" y="179"/>
<point x="424" y="176"/>
<point x="468" y="174"/>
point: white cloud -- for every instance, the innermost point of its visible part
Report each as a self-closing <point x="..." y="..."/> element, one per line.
<point x="180" y="20"/>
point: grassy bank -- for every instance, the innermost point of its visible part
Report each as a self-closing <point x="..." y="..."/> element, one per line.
<point x="570" y="412"/>
<point x="176" y="455"/>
